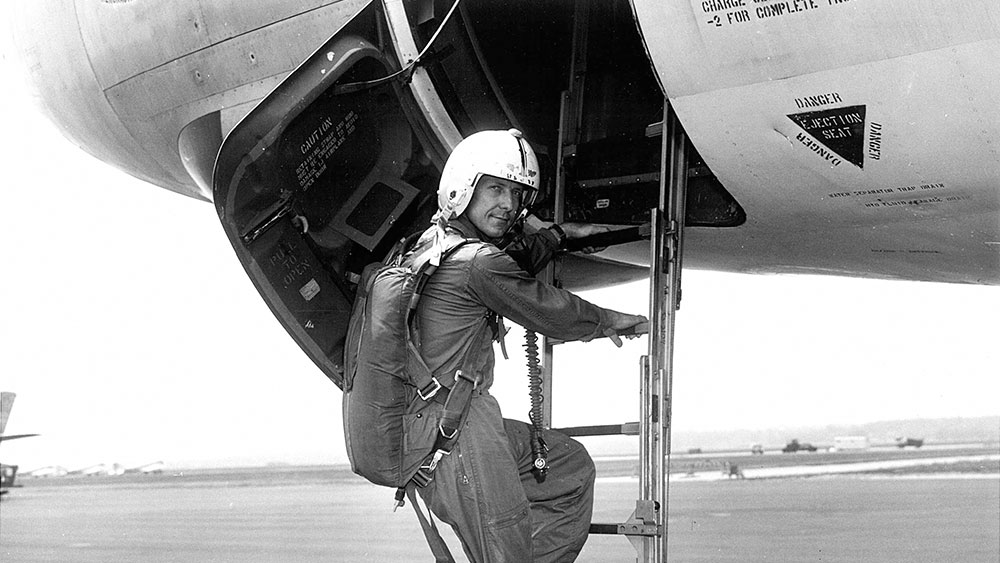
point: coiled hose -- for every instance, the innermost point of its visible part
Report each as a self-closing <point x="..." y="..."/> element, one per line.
<point x="538" y="448"/>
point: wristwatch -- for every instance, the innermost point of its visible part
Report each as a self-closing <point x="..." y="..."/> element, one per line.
<point x="560" y="234"/>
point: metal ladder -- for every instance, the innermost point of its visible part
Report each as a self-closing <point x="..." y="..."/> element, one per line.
<point x="646" y="527"/>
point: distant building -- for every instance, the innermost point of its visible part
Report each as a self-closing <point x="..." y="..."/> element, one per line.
<point x="850" y="443"/>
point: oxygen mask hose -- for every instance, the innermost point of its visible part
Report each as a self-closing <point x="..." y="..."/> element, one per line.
<point x="538" y="448"/>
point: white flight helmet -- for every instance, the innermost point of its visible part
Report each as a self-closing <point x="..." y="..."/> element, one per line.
<point x="503" y="154"/>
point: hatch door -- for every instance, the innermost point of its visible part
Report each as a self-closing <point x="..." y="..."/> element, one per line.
<point x="323" y="177"/>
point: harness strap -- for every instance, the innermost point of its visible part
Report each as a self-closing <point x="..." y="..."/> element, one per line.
<point x="440" y="549"/>
<point x="420" y="375"/>
<point x="456" y="407"/>
<point x="456" y="400"/>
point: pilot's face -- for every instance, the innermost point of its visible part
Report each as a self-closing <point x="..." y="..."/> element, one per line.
<point x="494" y="206"/>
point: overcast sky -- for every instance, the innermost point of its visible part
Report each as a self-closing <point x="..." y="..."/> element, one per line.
<point x="131" y="334"/>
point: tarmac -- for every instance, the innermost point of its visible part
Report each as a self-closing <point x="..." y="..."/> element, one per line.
<point x="326" y="514"/>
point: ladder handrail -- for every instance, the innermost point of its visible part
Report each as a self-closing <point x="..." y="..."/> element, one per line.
<point x="646" y="528"/>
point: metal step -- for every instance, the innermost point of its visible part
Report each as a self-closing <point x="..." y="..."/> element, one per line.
<point x="624" y="429"/>
<point x="642" y="522"/>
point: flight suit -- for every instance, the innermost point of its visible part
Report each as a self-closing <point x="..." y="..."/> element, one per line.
<point x="485" y="488"/>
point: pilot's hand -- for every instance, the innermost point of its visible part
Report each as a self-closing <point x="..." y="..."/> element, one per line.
<point x="629" y="326"/>
<point x="581" y="230"/>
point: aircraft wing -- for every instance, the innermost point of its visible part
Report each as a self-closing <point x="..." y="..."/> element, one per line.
<point x="6" y="404"/>
<point x="16" y="436"/>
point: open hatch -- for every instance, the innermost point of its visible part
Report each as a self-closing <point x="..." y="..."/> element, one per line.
<point x="342" y="159"/>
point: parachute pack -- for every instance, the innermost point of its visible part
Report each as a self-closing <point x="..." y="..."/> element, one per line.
<point x="397" y="413"/>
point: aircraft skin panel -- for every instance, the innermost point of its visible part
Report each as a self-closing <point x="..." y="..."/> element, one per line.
<point x="766" y="156"/>
<point x="842" y="151"/>
<point x="222" y="68"/>
<point x="728" y="43"/>
<point x="128" y="110"/>
<point x="61" y="76"/>
<point x="232" y="74"/>
<point x="154" y="40"/>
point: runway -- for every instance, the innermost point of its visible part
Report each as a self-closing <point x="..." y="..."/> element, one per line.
<point x="313" y="514"/>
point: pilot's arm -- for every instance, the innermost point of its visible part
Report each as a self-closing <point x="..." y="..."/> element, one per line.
<point x="535" y="247"/>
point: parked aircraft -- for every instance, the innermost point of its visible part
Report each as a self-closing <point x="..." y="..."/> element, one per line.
<point x="6" y="404"/>
<point x="152" y="467"/>
<point x="100" y="469"/>
<point x="49" y="471"/>
<point x="8" y="473"/>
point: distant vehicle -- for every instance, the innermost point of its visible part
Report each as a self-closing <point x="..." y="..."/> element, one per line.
<point x="903" y="442"/>
<point x="757" y="449"/>
<point x="694" y="450"/>
<point x="795" y="446"/>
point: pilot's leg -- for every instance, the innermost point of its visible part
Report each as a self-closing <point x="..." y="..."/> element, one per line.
<point x="562" y="504"/>
<point x="477" y="490"/>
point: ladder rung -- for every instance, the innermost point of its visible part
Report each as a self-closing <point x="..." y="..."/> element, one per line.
<point x="627" y="529"/>
<point x="627" y="429"/>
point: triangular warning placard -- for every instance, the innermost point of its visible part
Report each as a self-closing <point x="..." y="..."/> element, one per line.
<point x="842" y="130"/>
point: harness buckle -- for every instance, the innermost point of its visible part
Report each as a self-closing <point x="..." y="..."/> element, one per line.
<point x="459" y="374"/>
<point x="435" y="387"/>
<point x="422" y="478"/>
<point x="446" y="435"/>
<point x="433" y="463"/>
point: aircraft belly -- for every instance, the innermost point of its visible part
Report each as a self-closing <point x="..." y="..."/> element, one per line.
<point x="901" y="251"/>
<point x="873" y="155"/>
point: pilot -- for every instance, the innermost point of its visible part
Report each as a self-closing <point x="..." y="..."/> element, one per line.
<point x="485" y="489"/>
